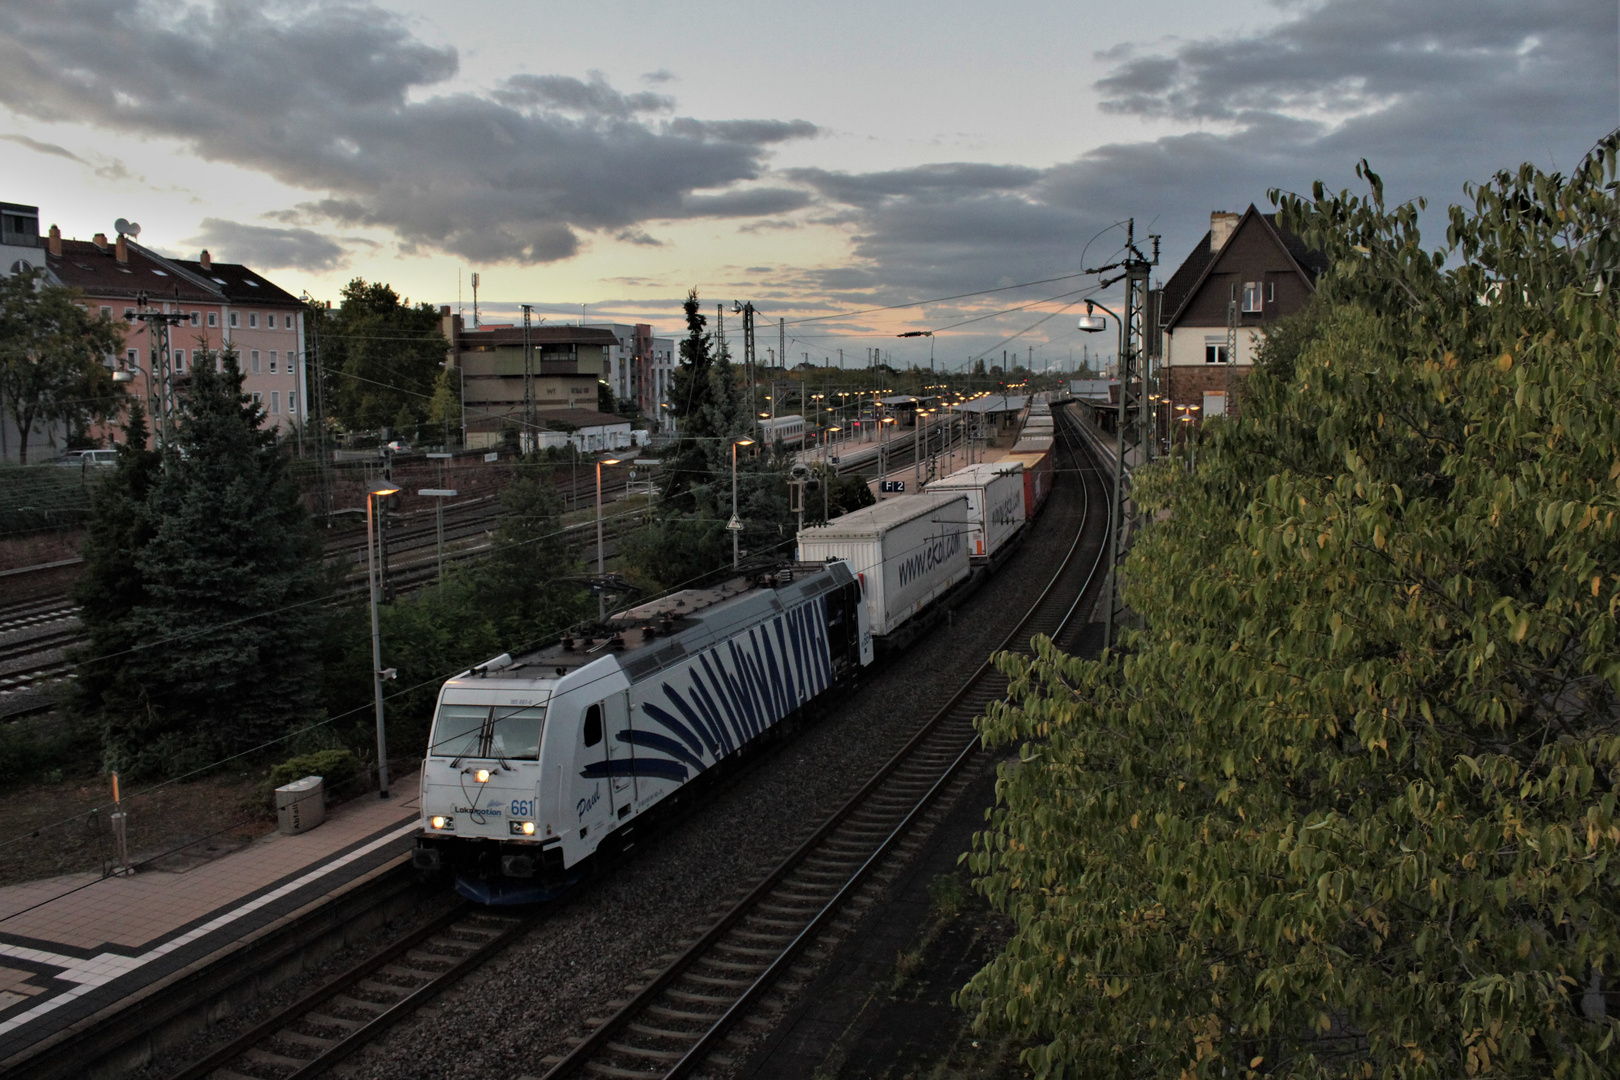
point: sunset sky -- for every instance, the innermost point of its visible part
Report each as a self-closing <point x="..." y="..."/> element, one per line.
<point x="812" y="158"/>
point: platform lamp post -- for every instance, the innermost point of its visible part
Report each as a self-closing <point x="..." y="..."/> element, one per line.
<point x="1092" y="323"/>
<point x="378" y="675"/>
<point x="734" y="526"/>
<point x="601" y="590"/>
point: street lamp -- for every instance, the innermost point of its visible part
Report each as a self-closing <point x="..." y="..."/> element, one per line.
<point x="377" y="672"/>
<point x="734" y="526"/>
<point x="601" y="591"/>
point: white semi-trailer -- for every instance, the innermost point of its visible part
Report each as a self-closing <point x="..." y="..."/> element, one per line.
<point x="995" y="495"/>
<point x="907" y="553"/>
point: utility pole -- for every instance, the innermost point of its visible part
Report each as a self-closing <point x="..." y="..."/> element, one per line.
<point x="749" y="360"/>
<point x="1134" y="444"/>
<point x="781" y="341"/>
<point x="159" y="372"/>
<point x="529" y="420"/>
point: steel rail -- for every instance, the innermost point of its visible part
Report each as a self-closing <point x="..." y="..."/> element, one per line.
<point x="332" y="1050"/>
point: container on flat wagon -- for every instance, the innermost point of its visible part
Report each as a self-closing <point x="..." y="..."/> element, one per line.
<point x="907" y="551"/>
<point x="995" y="494"/>
<point x="1035" y="454"/>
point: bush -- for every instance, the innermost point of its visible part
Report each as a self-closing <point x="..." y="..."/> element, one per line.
<point x="338" y="768"/>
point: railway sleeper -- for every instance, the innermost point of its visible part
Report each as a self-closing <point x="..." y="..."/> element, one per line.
<point x="663" y="1033"/>
<point x="646" y="1053"/>
<point x="746" y="967"/>
<point x="256" y="1056"/>
<point x="734" y="949"/>
<point x="321" y="1019"/>
<point x="667" y="1013"/>
<point x="371" y="1008"/>
<point x="716" y="981"/>
<point x="692" y="997"/>
<point x="613" y="1072"/>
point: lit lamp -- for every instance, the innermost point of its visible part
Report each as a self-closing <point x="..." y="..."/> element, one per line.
<point x="735" y="524"/>
<point x="377" y="672"/>
<point x="601" y="593"/>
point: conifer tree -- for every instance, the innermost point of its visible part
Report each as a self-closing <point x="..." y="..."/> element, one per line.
<point x="111" y="586"/>
<point x="223" y="604"/>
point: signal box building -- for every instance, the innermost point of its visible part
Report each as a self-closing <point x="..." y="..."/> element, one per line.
<point x="569" y="363"/>
<point x="1245" y="274"/>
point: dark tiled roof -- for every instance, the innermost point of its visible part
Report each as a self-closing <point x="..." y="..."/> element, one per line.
<point x="1180" y="285"/>
<point x="97" y="271"/>
<point x="1314" y="263"/>
<point x="503" y="336"/>
<point x="239" y="284"/>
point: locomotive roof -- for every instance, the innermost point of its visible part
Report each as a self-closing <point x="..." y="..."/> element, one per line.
<point x="660" y="632"/>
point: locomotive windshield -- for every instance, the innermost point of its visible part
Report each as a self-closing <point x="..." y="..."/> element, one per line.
<point x="484" y="731"/>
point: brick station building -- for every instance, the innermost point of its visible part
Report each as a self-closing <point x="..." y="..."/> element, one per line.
<point x="1246" y="260"/>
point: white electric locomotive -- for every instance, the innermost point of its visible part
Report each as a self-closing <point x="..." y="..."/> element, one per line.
<point x="534" y="762"/>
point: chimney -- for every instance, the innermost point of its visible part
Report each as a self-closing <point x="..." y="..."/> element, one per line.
<point x="122" y="251"/>
<point x="207" y="260"/>
<point x="100" y="240"/>
<point x="1221" y="225"/>
<point x="56" y="241"/>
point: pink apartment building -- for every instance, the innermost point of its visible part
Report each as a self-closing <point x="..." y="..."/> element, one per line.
<point x="225" y="304"/>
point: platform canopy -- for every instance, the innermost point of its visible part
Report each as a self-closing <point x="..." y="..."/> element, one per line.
<point x="993" y="403"/>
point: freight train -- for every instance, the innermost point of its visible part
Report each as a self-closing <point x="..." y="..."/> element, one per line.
<point x="535" y="762"/>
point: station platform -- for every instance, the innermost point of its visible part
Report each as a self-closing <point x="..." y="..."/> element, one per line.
<point x="75" y="949"/>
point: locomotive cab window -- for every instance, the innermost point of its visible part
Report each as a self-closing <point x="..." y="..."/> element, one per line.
<point x="482" y="731"/>
<point x="593" y="725"/>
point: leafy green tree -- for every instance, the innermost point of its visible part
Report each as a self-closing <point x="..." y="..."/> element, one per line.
<point x="1345" y="804"/>
<point x="53" y="357"/>
<point x="381" y="357"/>
<point x="525" y="583"/>
<point x="226" y="624"/>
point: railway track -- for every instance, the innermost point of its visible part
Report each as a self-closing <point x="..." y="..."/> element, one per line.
<point x="679" y="1022"/>
<point x="322" y="1028"/>
<point x="686" y="1010"/>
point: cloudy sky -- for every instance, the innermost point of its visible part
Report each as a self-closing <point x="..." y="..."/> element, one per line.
<point x="813" y="158"/>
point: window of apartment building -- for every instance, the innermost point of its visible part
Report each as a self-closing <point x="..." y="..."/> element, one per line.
<point x="1271" y="292"/>
<point x="213" y="318"/>
<point x="258" y="398"/>
<point x="132" y="357"/>
<point x="233" y="318"/>
<point x="270" y="321"/>
<point x="272" y="361"/>
<point x="253" y="361"/>
<point x="179" y="360"/>
<point x="1215" y="351"/>
<point x="253" y="319"/>
<point x="128" y="312"/>
<point x="196" y="318"/>
<point x="292" y="403"/>
<point x="275" y="403"/>
<point x="106" y="312"/>
<point x="1252" y="297"/>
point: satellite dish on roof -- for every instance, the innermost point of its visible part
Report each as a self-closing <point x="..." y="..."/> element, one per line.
<point x="127" y="227"/>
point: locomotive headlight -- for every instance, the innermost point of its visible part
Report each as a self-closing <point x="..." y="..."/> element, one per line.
<point x="520" y="828"/>
<point x="441" y="821"/>
<point x="480" y="776"/>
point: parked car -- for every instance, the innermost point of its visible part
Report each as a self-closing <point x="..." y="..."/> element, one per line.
<point x="399" y="446"/>
<point x="78" y="459"/>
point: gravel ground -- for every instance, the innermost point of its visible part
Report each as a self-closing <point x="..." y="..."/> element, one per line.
<point x="504" y="1019"/>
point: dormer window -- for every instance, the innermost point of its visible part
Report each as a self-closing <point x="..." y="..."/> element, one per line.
<point x="1252" y="298"/>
